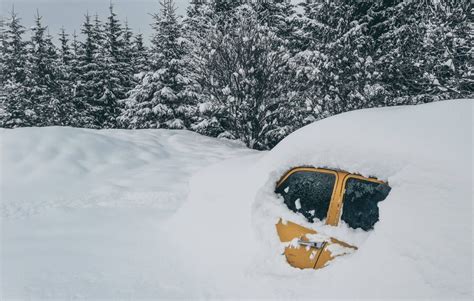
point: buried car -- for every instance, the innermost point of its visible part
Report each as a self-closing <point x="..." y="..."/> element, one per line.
<point x="379" y="201"/>
<point x="329" y="195"/>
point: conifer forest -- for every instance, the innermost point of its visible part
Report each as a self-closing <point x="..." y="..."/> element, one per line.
<point x="252" y="71"/>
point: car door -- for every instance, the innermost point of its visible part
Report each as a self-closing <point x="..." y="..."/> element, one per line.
<point x="311" y="192"/>
<point x="319" y="194"/>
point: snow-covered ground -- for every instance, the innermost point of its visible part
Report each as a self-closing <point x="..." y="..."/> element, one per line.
<point x="83" y="211"/>
<point x="147" y="214"/>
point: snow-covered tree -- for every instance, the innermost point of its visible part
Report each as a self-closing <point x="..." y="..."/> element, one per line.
<point x="128" y="56"/>
<point x="244" y="75"/>
<point x="280" y="17"/>
<point x="67" y="61"/>
<point x="32" y="83"/>
<point x="140" y="56"/>
<point x="117" y="56"/>
<point x="163" y="98"/>
<point x="14" y="53"/>
<point x="3" y="49"/>
<point x="88" y="82"/>
<point x="41" y="87"/>
<point x="13" y="50"/>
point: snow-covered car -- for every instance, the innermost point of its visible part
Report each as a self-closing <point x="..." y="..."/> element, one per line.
<point x="330" y="195"/>
<point x="411" y="238"/>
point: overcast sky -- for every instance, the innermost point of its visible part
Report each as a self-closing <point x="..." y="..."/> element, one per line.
<point x="70" y="13"/>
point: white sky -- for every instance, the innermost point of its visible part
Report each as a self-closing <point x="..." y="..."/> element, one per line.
<point x="70" y="13"/>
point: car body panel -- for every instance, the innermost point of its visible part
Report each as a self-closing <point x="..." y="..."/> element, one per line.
<point x="298" y="239"/>
<point x="305" y="257"/>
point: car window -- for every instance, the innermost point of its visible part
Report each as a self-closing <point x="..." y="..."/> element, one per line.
<point x="308" y="192"/>
<point x="360" y="204"/>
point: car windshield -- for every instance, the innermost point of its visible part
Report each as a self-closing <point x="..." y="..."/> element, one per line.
<point x="308" y="192"/>
<point x="360" y="204"/>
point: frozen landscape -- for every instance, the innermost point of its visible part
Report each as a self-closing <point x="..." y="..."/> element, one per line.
<point x="129" y="214"/>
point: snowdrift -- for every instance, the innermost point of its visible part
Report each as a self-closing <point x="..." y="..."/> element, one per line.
<point x="420" y="248"/>
<point x="69" y="167"/>
<point x="171" y="214"/>
<point x="83" y="211"/>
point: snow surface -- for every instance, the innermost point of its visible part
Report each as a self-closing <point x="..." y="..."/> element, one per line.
<point x="147" y="214"/>
<point x="83" y="211"/>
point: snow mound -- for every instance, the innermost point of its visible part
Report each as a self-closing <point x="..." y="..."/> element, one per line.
<point x="420" y="248"/>
<point x="79" y="168"/>
<point x="83" y="211"/>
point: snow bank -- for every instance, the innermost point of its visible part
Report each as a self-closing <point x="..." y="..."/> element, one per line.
<point x="76" y="168"/>
<point x="83" y="211"/>
<point x="159" y="214"/>
<point x="420" y="248"/>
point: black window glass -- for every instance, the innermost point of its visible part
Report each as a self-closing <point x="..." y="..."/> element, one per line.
<point x="308" y="192"/>
<point x="360" y="207"/>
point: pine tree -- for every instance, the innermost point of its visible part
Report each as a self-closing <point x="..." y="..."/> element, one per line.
<point x="244" y="76"/>
<point x="117" y="70"/>
<point x="341" y="47"/>
<point x="460" y="43"/>
<point x="140" y="60"/>
<point x="41" y="86"/>
<point x="415" y="56"/>
<point x="89" y="82"/>
<point x="446" y="49"/>
<point x="75" y="57"/>
<point x="32" y="98"/>
<point x="66" y="78"/>
<point x="280" y="17"/>
<point x="14" y="50"/>
<point x="127" y="52"/>
<point x="65" y="54"/>
<point x="198" y="20"/>
<point x="163" y="98"/>
<point x="224" y="7"/>
<point x="16" y="110"/>
<point x="3" y="66"/>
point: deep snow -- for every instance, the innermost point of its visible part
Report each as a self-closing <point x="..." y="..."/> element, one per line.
<point x="146" y="214"/>
<point x="83" y="210"/>
<point x="420" y="248"/>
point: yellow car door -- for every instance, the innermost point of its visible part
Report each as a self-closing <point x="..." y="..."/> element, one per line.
<point x="318" y="194"/>
<point x="305" y="252"/>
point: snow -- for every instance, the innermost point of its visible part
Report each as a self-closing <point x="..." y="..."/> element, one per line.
<point x="83" y="211"/>
<point x="420" y="248"/>
<point x="298" y="204"/>
<point x="171" y="214"/>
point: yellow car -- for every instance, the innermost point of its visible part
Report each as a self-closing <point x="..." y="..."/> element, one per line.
<point x="331" y="196"/>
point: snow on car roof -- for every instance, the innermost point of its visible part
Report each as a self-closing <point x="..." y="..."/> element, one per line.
<point x="376" y="142"/>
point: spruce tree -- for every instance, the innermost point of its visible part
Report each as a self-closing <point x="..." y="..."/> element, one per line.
<point x="140" y="59"/>
<point x="66" y="79"/>
<point x="15" y="50"/>
<point x="163" y="98"/>
<point x="117" y="70"/>
<point x="280" y="17"/>
<point x="16" y="109"/>
<point x="88" y="88"/>
<point x="41" y="86"/>
<point x="65" y="54"/>
<point x="127" y="53"/>
<point x="245" y="77"/>
<point x="3" y="70"/>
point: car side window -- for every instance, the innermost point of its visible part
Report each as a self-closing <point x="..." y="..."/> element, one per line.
<point x="308" y="192"/>
<point x="360" y="204"/>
